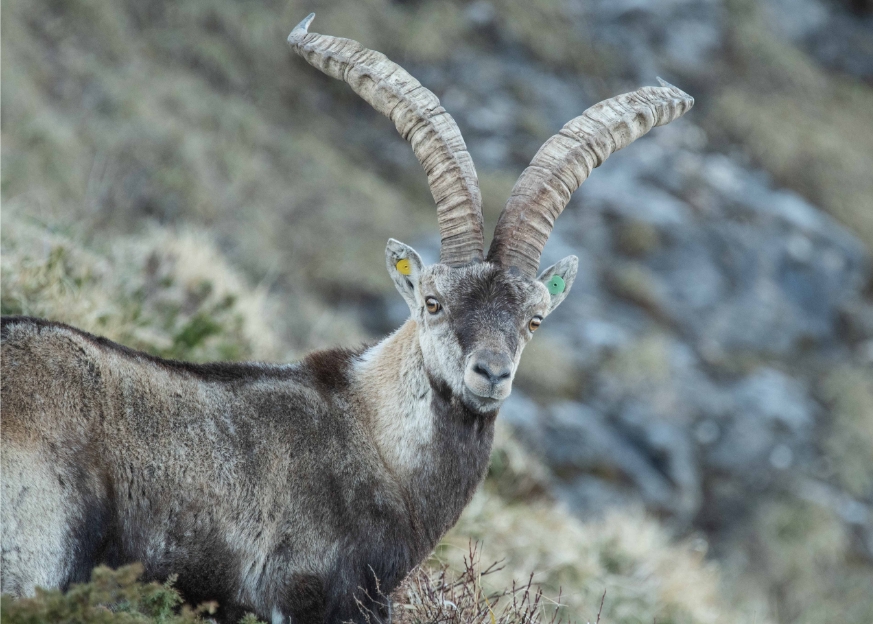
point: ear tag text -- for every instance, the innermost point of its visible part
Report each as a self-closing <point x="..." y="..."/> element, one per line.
<point x="556" y="285"/>
<point x="403" y="267"/>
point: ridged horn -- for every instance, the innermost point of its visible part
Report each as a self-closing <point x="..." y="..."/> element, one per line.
<point x="566" y="160"/>
<point x="419" y="118"/>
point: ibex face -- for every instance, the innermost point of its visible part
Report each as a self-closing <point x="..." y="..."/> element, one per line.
<point x="474" y="321"/>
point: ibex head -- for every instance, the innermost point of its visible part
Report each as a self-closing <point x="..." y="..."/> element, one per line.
<point x="475" y="313"/>
<point x="474" y="320"/>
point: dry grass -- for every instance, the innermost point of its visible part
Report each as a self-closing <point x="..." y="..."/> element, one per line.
<point x="645" y="574"/>
<point x="205" y="120"/>
<point x="441" y="595"/>
<point x="545" y="28"/>
<point x="548" y="372"/>
<point x="644" y="363"/>
<point x="170" y="293"/>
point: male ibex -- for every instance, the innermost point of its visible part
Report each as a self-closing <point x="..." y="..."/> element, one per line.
<point x="291" y="490"/>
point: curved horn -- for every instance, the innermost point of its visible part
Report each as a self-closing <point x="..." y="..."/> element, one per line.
<point x="419" y="118"/>
<point x="565" y="161"/>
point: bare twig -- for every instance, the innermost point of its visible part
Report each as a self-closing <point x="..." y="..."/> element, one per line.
<point x="600" y="610"/>
<point x="441" y="596"/>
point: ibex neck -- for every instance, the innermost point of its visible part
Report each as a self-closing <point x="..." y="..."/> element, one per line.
<point x="436" y="447"/>
<point x="393" y="383"/>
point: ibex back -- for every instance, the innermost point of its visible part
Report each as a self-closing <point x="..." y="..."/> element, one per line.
<point x="303" y="492"/>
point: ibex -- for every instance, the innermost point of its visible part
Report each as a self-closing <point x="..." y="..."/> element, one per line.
<point x="301" y="492"/>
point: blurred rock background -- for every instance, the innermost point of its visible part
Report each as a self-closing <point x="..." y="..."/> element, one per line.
<point x="692" y="430"/>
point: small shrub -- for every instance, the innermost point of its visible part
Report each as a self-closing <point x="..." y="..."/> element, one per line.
<point x="112" y="597"/>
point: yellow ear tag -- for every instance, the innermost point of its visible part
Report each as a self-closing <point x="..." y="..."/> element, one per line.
<point x="403" y="267"/>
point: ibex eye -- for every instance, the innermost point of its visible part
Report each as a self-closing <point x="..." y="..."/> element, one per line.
<point x="433" y="306"/>
<point x="534" y="323"/>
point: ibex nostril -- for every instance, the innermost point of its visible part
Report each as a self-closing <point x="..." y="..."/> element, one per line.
<point x="479" y="369"/>
<point x="495" y="368"/>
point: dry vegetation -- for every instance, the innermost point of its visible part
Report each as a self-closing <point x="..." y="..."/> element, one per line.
<point x="442" y="595"/>
<point x="170" y="293"/>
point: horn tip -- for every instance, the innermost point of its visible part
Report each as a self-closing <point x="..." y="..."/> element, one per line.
<point x="682" y="95"/>
<point x="300" y="30"/>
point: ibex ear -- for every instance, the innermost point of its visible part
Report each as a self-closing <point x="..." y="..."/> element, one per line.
<point x="558" y="279"/>
<point x="404" y="267"/>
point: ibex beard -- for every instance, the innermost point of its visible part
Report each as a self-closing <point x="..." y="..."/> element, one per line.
<point x="302" y="492"/>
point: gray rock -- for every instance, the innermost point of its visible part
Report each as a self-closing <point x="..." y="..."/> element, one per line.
<point x="577" y="442"/>
<point x="772" y="420"/>
<point x="481" y="13"/>
<point x="773" y="397"/>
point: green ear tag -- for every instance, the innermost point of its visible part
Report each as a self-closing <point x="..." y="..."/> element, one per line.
<point x="556" y="285"/>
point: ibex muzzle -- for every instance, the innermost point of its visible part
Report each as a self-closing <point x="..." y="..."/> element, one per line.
<point x="489" y="374"/>
<point x="303" y="492"/>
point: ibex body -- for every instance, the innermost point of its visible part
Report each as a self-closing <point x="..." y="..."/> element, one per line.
<point x="304" y="492"/>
